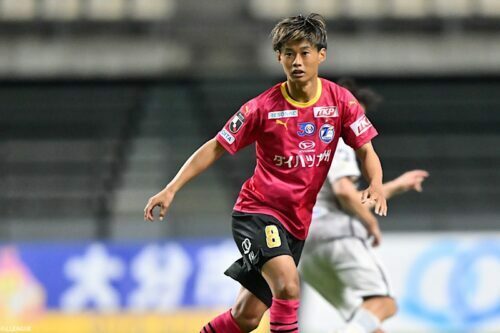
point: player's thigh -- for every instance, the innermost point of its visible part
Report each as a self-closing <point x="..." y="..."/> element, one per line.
<point x="359" y="268"/>
<point x="318" y="270"/>
<point x="280" y="269"/>
<point x="248" y="307"/>
<point x="280" y="273"/>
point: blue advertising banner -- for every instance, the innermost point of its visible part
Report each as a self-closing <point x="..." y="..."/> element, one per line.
<point x="442" y="282"/>
<point x="108" y="276"/>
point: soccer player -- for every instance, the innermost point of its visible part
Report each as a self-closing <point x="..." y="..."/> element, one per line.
<point x="338" y="260"/>
<point x="296" y="126"/>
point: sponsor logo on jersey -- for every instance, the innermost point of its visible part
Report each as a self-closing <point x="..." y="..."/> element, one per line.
<point x="236" y="122"/>
<point x="303" y="160"/>
<point x="283" y="123"/>
<point x="326" y="112"/>
<point x="361" y="125"/>
<point x="247" y="110"/>
<point x="245" y="245"/>
<point x="307" y="145"/>
<point x="326" y="133"/>
<point x="283" y="114"/>
<point x="227" y="136"/>
<point x="306" y="129"/>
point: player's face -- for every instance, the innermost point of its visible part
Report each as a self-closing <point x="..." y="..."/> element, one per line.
<point x="300" y="60"/>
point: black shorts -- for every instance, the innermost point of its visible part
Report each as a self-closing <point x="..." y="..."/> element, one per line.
<point x="259" y="238"/>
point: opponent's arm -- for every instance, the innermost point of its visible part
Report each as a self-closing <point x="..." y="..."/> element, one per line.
<point x="372" y="171"/>
<point x="201" y="159"/>
<point x="348" y="195"/>
<point x="410" y="180"/>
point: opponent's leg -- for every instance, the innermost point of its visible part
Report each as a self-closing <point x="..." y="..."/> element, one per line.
<point x="282" y="276"/>
<point x="369" y="316"/>
<point x="383" y="307"/>
<point x="366" y="277"/>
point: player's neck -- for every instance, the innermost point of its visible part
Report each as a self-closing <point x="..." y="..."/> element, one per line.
<point x="302" y="92"/>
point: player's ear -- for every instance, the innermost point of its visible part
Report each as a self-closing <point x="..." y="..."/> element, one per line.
<point x="278" y="55"/>
<point x="322" y="55"/>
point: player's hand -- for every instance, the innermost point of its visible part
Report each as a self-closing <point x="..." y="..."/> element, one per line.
<point x="162" y="199"/>
<point x="374" y="196"/>
<point x="412" y="180"/>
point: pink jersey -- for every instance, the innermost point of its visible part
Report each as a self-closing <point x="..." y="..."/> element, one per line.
<point x="295" y="143"/>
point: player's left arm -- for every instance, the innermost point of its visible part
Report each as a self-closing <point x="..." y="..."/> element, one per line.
<point x="372" y="171"/>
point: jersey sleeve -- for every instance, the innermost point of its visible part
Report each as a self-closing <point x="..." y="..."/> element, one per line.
<point x="357" y="128"/>
<point x="241" y="129"/>
<point x="344" y="163"/>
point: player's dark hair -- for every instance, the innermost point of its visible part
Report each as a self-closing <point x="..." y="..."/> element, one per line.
<point x="311" y="28"/>
<point x="366" y="96"/>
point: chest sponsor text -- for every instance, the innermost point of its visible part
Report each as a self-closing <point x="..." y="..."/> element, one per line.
<point x="282" y="114"/>
<point x="303" y="160"/>
<point x="326" y="112"/>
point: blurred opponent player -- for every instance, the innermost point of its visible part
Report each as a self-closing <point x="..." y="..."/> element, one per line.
<point x="338" y="260"/>
<point x="296" y="126"/>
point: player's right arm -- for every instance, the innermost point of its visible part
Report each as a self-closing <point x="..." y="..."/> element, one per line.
<point x="348" y="196"/>
<point x="201" y="159"/>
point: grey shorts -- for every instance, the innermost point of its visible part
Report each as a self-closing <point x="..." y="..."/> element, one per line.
<point x="344" y="271"/>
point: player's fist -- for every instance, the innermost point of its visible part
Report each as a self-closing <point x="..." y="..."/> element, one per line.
<point x="162" y="199"/>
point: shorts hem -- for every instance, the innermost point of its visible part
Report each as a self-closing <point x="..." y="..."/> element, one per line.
<point x="367" y="296"/>
<point x="265" y="258"/>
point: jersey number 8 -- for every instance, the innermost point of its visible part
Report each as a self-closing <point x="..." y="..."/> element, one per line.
<point x="272" y="237"/>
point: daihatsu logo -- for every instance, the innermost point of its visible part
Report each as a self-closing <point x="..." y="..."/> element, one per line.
<point x="307" y="144"/>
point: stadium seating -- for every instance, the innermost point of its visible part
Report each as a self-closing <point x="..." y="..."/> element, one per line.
<point x="330" y="9"/>
<point x="273" y="9"/>
<point x="409" y="9"/>
<point x="17" y="9"/>
<point x="80" y="160"/>
<point x="106" y="10"/>
<point x="431" y="125"/>
<point x="89" y="10"/>
<point x="489" y="8"/>
<point x="62" y="149"/>
<point x="453" y="9"/>
<point x="58" y="10"/>
<point x="174" y="125"/>
<point x="373" y="9"/>
<point x="152" y="9"/>
<point x="377" y="9"/>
